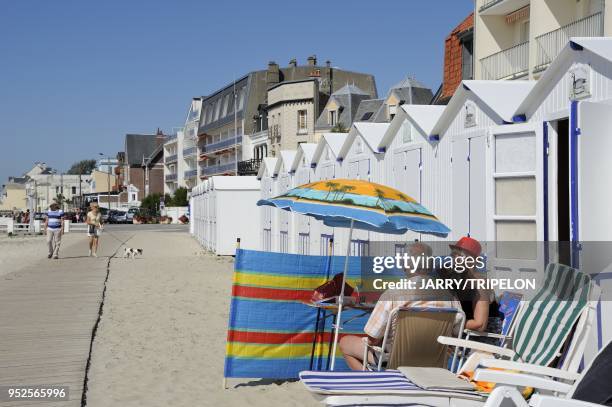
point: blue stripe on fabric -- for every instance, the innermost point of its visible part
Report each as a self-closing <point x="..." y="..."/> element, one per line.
<point x="251" y="261"/>
<point x="265" y="316"/>
<point x="271" y="368"/>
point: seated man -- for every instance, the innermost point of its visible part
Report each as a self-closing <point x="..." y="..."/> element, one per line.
<point x="352" y="346"/>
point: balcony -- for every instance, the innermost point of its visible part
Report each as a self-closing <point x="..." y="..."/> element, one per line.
<point x="171" y="177"/>
<point x="218" y="169"/>
<point x="249" y="167"/>
<point x="221" y="145"/>
<point x="171" y="158"/>
<point x="191" y="174"/>
<point x="511" y="63"/>
<point x="549" y="45"/>
<point x="189" y="152"/>
<point x="501" y="7"/>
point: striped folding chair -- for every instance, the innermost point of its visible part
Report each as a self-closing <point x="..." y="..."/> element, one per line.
<point x="561" y="312"/>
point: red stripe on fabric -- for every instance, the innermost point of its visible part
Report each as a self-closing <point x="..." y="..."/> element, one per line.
<point x="271" y="293"/>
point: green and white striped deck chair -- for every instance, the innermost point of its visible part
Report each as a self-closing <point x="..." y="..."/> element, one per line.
<point x="564" y="307"/>
<point x="566" y="300"/>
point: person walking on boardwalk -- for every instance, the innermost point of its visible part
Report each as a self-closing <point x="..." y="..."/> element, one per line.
<point x="94" y="227"/>
<point x="54" y="223"/>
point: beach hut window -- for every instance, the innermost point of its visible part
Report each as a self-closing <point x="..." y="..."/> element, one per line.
<point x="515" y="153"/>
<point x="515" y="196"/>
<point x="406" y="132"/>
<point x="520" y="232"/>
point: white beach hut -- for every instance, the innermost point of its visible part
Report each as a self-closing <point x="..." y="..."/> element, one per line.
<point x="268" y="190"/>
<point x="466" y="122"/>
<point x="284" y="182"/>
<point x="362" y="159"/>
<point x="572" y="107"/>
<point x="233" y="213"/>
<point x="303" y="173"/>
<point x="327" y="166"/>
<point x="417" y="164"/>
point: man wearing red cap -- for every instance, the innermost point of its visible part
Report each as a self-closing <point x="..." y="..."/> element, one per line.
<point x="475" y="303"/>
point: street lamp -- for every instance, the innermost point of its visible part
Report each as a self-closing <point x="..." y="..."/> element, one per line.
<point x="107" y="179"/>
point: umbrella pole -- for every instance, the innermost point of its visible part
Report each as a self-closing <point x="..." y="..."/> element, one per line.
<point x="341" y="298"/>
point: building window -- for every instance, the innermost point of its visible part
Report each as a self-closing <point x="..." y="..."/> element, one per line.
<point x="74" y="191"/>
<point x="333" y="117"/>
<point x="302" y="125"/>
<point x="242" y="96"/>
<point x="467" y="58"/>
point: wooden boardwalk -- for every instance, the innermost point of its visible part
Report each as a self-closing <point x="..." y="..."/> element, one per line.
<point x="47" y="317"/>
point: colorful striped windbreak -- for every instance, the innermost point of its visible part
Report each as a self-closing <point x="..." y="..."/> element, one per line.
<point x="270" y="330"/>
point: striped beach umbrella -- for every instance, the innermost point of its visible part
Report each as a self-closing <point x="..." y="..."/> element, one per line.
<point x="362" y="204"/>
<point x="358" y="204"/>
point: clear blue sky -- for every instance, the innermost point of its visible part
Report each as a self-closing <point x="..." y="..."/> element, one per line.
<point x="75" y="76"/>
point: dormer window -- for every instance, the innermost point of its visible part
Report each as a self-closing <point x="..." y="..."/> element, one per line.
<point x="332" y="117"/>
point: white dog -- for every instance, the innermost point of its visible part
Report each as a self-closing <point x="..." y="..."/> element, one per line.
<point x="131" y="253"/>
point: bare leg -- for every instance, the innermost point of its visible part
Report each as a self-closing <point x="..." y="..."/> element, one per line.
<point x="352" y="348"/>
<point x="95" y="245"/>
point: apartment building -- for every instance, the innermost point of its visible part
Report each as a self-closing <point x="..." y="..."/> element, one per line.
<point x="143" y="165"/>
<point x="518" y="39"/>
<point x="458" y="60"/>
<point x="233" y="133"/>
<point x="173" y="162"/>
<point x="292" y="109"/>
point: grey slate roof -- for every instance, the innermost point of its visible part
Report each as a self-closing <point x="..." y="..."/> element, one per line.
<point x="349" y="98"/>
<point x="371" y="110"/>
<point x="138" y="146"/>
<point x="412" y="92"/>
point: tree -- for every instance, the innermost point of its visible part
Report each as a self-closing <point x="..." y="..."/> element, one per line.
<point x="82" y="167"/>
<point x="151" y="204"/>
<point x="180" y="197"/>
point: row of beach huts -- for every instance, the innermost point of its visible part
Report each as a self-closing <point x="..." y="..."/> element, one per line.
<point x="503" y="161"/>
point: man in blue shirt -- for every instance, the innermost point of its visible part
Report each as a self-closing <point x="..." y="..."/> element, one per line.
<point x="54" y="223"/>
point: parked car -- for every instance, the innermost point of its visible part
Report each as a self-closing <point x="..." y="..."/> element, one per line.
<point x="117" y="217"/>
<point x="105" y="214"/>
<point x="130" y="214"/>
<point x="40" y="216"/>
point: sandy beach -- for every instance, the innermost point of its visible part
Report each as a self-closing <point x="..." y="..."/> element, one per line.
<point x="161" y="338"/>
<point x="17" y="252"/>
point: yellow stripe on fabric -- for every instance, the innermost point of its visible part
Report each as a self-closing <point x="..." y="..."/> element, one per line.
<point x="275" y="351"/>
<point x="288" y="282"/>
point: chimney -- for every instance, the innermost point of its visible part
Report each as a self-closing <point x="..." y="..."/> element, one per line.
<point x="312" y="60"/>
<point x="273" y="74"/>
<point x="328" y="63"/>
<point x="293" y="63"/>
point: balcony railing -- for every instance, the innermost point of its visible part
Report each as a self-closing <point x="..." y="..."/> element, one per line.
<point x="191" y="174"/>
<point x="249" y="167"/>
<point x="188" y="152"/>
<point x="510" y="63"/>
<point x="218" y="169"/>
<point x="208" y="148"/>
<point x="171" y="177"/>
<point x="489" y="3"/>
<point x="171" y="158"/>
<point x="550" y="44"/>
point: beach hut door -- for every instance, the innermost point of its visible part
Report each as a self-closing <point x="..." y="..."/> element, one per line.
<point x="591" y="193"/>
<point x="591" y="197"/>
